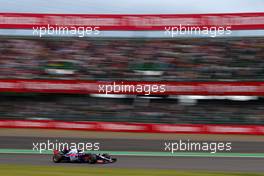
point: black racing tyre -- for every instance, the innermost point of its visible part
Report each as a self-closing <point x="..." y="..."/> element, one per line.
<point x="114" y="160"/>
<point x="56" y="158"/>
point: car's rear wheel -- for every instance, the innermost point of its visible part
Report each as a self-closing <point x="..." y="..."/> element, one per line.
<point x="56" y="158"/>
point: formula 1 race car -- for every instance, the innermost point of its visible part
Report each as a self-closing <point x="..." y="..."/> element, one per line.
<point x="80" y="157"/>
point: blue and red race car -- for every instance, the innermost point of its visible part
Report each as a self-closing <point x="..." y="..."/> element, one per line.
<point x="81" y="157"/>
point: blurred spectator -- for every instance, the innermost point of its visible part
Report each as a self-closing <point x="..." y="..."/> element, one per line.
<point x="85" y="108"/>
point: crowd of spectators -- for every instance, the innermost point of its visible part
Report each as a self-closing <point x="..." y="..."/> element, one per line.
<point x="163" y="110"/>
<point x="133" y="59"/>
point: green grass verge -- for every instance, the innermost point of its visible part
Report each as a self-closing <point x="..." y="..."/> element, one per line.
<point x="29" y="170"/>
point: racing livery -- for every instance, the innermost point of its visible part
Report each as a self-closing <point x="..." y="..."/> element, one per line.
<point x="81" y="157"/>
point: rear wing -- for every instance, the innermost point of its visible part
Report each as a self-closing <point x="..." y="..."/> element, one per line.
<point x="55" y="152"/>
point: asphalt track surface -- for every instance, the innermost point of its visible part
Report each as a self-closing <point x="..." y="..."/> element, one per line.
<point x="181" y="163"/>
